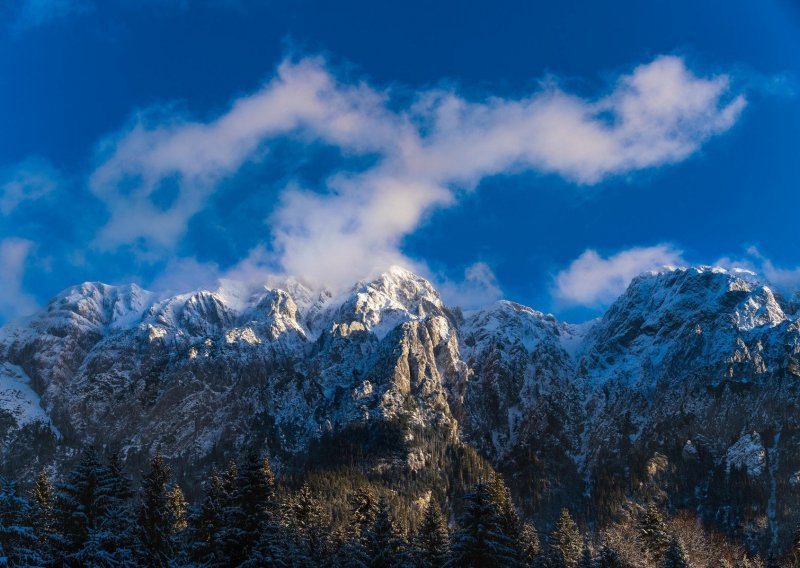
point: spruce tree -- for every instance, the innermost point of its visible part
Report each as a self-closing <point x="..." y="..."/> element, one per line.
<point x="305" y="518"/>
<point x="384" y="546"/>
<point x="609" y="558"/>
<point x="586" y="560"/>
<point x="364" y="509"/>
<point x="18" y="543"/>
<point x="433" y="538"/>
<point x="43" y="516"/>
<point x="566" y="544"/>
<point x="207" y="524"/>
<point x="155" y="521"/>
<point x="275" y="550"/>
<point x="675" y="555"/>
<point x="115" y="539"/>
<point x="481" y="541"/>
<point x="529" y="545"/>
<point x="81" y="504"/>
<point x="501" y="495"/>
<point x="653" y="534"/>
<point x="251" y="503"/>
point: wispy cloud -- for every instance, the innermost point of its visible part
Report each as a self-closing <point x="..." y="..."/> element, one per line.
<point x="785" y="279"/>
<point x="592" y="280"/>
<point x="14" y="301"/>
<point x="427" y="153"/>
<point x="30" y="180"/>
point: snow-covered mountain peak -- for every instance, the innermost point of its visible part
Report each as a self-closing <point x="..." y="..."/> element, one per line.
<point x="381" y="304"/>
<point x="675" y="323"/>
<point x="94" y="305"/>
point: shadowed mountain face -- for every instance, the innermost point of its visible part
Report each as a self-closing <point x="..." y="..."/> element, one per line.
<point x="686" y="387"/>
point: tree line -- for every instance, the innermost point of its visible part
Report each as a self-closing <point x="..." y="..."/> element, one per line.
<point x="247" y="518"/>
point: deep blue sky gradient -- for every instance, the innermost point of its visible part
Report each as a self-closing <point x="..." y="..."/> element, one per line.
<point x="67" y="83"/>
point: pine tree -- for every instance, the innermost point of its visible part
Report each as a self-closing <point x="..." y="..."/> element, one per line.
<point x="18" y="544"/>
<point x="115" y="539"/>
<point x="501" y="495"/>
<point x="155" y="516"/>
<point x="275" y="548"/>
<point x="433" y="538"/>
<point x="529" y="545"/>
<point x="81" y="503"/>
<point x="251" y="503"/>
<point x="480" y="541"/>
<point x="305" y="518"/>
<point x="566" y="544"/>
<point x="364" y="508"/>
<point x="43" y="516"/>
<point x="653" y="533"/>
<point x="586" y="560"/>
<point x="609" y="558"/>
<point x="384" y="546"/>
<point x="675" y="555"/>
<point x="207" y="524"/>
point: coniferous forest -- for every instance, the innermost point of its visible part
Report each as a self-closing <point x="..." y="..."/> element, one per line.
<point x="245" y="515"/>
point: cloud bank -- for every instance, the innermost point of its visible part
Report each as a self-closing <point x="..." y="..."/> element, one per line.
<point x="428" y="149"/>
<point x="595" y="281"/>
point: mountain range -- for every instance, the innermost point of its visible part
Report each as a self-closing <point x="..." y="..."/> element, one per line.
<point x="685" y="390"/>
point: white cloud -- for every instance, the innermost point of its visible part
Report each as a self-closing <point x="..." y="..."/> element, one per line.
<point x="428" y="151"/>
<point x="27" y="181"/>
<point x="478" y="288"/>
<point x="786" y="280"/>
<point x="14" y="301"/>
<point x="594" y="281"/>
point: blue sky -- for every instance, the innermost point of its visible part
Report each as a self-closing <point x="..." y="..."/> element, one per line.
<point x="541" y="151"/>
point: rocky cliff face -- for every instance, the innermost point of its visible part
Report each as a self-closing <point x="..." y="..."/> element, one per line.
<point x="688" y="384"/>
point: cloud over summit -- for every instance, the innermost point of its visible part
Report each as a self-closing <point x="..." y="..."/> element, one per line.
<point x="427" y="152"/>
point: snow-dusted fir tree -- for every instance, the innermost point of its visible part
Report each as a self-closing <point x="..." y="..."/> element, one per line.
<point x="675" y="555"/>
<point x="433" y="538"/>
<point x="607" y="557"/>
<point x="385" y="547"/>
<point x="353" y="553"/>
<point x="529" y="545"/>
<point x="481" y="541"/>
<point x="155" y="518"/>
<point x="206" y="524"/>
<point x="305" y="518"/>
<point x="18" y="545"/>
<point x="276" y="548"/>
<point x="114" y="534"/>
<point x="81" y="503"/>
<point x="653" y="534"/>
<point x="566" y="543"/>
<point x="251" y="503"/>
<point x="43" y="516"/>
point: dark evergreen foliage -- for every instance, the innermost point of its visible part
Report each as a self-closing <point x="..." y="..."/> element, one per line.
<point x="566" y="543"/>
<point x="156" y="522"/>
<point x="675" y="555"/>
<point x="18" y="542"/>
<point x="433" y="538"/>
<point x="481" y="540"/>
<point x="246" y="518"/>
<point x="653" y="533"/>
